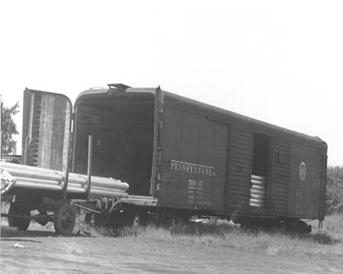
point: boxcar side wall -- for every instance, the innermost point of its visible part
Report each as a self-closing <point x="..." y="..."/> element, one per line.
<point x="193" y="161"/>
<point x="210" y="158"/>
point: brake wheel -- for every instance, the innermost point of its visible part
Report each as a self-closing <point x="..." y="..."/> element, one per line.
<point x="64" y="219"/>
<point x="20" y="223"/>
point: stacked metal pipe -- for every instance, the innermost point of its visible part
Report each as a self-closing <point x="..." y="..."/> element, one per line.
<point x="29" y="177"/>
<point x="257" y="191"/>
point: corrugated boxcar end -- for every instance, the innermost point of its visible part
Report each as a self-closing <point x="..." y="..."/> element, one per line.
<point x="123" y="123"/>
<point x="324" y="183"/>
<point x="123" y="89"/>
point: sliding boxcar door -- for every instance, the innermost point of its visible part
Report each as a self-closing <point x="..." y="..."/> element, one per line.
<point x="306" y="182"/>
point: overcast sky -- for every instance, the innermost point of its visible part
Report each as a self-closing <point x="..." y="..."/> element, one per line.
<point x="277" y="61"/>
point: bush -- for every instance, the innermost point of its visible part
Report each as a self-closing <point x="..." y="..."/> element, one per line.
<point x="334" y="190"/>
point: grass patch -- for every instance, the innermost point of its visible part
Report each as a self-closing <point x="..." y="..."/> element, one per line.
<point x="334" y="223"/>
<point x="322" y="242"/>
<point x="327" y="240"/>
<point x="226" y="235"/>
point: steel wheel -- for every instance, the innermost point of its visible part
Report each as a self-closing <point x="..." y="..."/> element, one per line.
<point x="64" y="219"/>
<point x="20" y="223"/>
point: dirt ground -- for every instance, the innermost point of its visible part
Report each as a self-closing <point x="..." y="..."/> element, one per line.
<point x="38" y="251"/>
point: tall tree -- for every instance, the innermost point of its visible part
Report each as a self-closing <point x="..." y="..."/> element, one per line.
<point x="334" y="190"/>
<point x="8" y="128"/>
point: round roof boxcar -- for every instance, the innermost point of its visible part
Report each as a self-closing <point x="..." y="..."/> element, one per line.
<point x="180" y="154"/>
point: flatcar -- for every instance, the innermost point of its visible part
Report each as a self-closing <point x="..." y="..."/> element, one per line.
<point x="180" y="156"/>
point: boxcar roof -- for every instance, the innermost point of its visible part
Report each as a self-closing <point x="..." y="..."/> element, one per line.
<point x="211" y="111"/>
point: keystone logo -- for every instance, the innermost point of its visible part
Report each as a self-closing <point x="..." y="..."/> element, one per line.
<point x="302" y="171"/>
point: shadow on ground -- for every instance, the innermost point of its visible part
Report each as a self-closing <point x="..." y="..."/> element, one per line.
<point x="11" y="232"/>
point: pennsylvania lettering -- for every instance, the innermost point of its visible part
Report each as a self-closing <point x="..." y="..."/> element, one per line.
<point x="192" y="168"/>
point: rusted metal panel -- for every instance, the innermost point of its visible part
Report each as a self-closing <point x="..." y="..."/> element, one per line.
<point x="239" y="165"/>
<point x="46" y="126"/>
<point x="279" y="177"/>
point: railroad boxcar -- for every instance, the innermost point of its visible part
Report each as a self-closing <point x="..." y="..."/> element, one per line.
<point x="181" y="156"/>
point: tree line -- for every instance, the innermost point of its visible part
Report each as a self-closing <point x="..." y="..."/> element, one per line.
<point x="334" y="190"/>
<point x="8" y="128"/>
